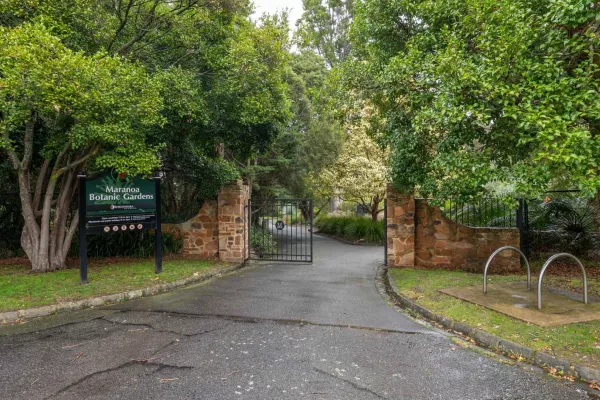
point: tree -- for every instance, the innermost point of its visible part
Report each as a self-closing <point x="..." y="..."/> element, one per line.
<point x="74" y="111"/>
<point x="229" y="102"/>
<point x="311" y="140"/>
<point x="222" y="77"/>
<point x="324" y="28"/>
<point x="481" y="96"/>
<point x="360" y="174"/>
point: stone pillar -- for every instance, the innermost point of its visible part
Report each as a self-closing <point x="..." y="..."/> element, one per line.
<point x="400" y="229"/>
<point x="232" y="199"/>
<point x="201" y="233"/>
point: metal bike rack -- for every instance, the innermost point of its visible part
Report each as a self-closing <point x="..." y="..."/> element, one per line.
<point x="487" y="265"/>
<point x="547" y="264"/>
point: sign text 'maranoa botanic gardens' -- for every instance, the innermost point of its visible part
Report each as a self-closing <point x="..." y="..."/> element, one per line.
<point x="118" y="202"/>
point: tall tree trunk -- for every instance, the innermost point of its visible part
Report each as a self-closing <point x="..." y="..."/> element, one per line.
<point x="335" y="202"/>
<point x="375" y="207"/>
<point x="46" y="242"/>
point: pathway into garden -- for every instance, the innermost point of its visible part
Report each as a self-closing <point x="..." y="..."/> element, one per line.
<point x="269" y="331"/>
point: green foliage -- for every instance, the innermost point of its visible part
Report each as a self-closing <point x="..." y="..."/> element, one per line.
<point x="324" y="28"/>
<point x="360" y="173"/>
<point x="87" y="104"/>
<point x="354" y="228"/>
<point x="311" y="140"/>
<point x="563" y="225"/>
<point x="128" y="244"/>
<point x="262" y="241"/>
<point x="476" y="94"/>
<point x="195" y="88"/>
<point x="294" y="218"/>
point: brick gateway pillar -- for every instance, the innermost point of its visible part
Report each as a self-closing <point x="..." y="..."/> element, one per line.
<point x="219" y="228"/>
<point x="420" y="235"/>
<point x="400" y="227"/>
<point x="233" y="236"/>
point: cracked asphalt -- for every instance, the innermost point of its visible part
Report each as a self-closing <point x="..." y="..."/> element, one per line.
<point x="271" y="331"/>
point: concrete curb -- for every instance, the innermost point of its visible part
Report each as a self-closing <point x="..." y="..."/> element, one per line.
<point x="28" y="313"/>
<point x="506" y="347"/>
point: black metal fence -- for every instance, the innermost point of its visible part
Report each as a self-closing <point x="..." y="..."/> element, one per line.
<point x="561" y="221"/>
<point x="485" y="212"/>
<point x="11" y="225"/>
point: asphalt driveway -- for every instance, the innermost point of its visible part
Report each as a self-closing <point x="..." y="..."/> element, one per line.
<point x="269" y="331"/>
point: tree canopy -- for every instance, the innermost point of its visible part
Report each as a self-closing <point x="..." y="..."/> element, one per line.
<point x="310" y="142"/>
<point x="324" y="28"/>
<point x="360" y="173"/>
<point x="190" y="87"/>
<point x="481" y="96"/>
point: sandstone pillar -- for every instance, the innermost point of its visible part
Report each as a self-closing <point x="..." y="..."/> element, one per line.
<point x="400" y="227"/>
<point x="233" y="238"/>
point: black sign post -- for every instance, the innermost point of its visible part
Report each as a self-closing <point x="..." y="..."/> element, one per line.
<point x="158" y="231"/>
<point x="82" y="231"/>
<point x="116" y="202"/>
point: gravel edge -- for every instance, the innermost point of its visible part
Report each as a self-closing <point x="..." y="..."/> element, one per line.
<point x="504" y="346"/>
<point x="35" y="312"/>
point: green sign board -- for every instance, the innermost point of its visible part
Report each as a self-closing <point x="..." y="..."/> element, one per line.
<point x="118" y="202"/>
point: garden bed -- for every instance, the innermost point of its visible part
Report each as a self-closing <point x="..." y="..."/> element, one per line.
<point x="578" y="343"/>
<point x="357" y="230"/>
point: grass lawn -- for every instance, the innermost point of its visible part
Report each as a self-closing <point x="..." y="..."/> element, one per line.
<point x="579" y="343"/>
<point x="21" y="289"/>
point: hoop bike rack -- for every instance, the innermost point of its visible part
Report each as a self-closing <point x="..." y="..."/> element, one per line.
<point x="487" y="265"/>
<point x="547" y="264"/>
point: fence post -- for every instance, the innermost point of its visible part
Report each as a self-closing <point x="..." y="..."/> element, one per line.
<point x="158" y="230"/>
<point x="523" y="226"/>
<point x="83" y="261"/>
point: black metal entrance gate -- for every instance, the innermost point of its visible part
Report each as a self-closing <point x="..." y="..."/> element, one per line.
<point x="281" y="230"/>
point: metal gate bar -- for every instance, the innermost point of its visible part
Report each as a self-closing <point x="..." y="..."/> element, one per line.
<point x="281" y="230"/>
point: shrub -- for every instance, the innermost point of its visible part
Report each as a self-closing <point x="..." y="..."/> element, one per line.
<point x="128" y="244"/>
<point x="355" y="228"/>
<point x="262" y="241"/>
<point x="563" y="225"/>
<point x="293" y="219"/>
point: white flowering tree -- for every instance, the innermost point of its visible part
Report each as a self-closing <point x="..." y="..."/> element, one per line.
<point x="360" y="173"/>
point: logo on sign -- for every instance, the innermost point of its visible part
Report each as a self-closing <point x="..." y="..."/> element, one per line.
<point x="279" y="225"/>
<point x="121" y="177"/>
